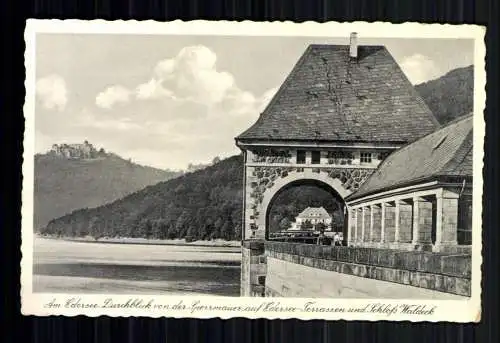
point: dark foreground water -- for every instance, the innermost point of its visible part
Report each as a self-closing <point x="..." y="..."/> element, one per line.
<point x="80" y="267"/>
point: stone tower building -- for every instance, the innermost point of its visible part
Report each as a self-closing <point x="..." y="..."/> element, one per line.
<point x="340" y="112"/>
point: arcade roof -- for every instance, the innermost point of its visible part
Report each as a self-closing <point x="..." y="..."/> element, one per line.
<point x="328" y="96"/>
<point x="444" y="153"/>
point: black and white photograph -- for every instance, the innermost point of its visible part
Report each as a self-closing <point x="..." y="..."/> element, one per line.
<point x="256" y="166"/>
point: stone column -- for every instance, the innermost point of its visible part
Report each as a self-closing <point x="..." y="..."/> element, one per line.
<point x="389" y="211"/>
<point x="355" y="213"/>
<point x="446" y="219"/>
<point x="382" y="223"/>
<point x="352" y="226"/>
<point x="422" y="223"/>
<point x="359" y="225"/>
<point x="308" y="157"/>
<point x="397" y="212"/>
<point x="405" y="221"/>
<point x="370" y="238"/>
<point x="366" y="225"/>
<point x="376" y="217"/>
<point x="363" y="224"/>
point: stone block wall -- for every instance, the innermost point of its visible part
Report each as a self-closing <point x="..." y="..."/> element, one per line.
<point x="288" y="279"/>
<point x="436" y="272"/>
<point x="253" y="268"/>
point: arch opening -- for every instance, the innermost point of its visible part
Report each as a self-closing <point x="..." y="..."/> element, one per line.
<point x="301" y="209"/>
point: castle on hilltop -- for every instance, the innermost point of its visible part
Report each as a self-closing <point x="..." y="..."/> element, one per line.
<point x="76" y="151"/>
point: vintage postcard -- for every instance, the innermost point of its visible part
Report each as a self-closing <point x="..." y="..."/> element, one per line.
<point x="260" y="170"/>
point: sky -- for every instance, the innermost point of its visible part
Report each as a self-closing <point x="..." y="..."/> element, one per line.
<point x="167" y="101"/>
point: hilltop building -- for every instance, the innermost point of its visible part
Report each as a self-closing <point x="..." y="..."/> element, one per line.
<point x="310" y="217"/>
<point x="74" y="151"/>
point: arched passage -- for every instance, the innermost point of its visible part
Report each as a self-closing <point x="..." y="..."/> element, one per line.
<point x="322" y="180"/>
<point x="294" y="198"/>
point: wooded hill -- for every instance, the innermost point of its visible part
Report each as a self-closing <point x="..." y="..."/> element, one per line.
<point x="63" y="185"/>
<point x="203" y="204"/>
<point x="451" y="95"/>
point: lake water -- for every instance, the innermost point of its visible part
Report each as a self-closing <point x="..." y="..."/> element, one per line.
<point x="107" y="268"/>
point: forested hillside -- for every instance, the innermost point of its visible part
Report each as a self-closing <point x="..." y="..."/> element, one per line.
<point x="204" y="204"/>
<point x="451" y="95"/>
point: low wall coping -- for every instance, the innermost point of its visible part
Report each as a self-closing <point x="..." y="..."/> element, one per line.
<point x="457" y="265"/>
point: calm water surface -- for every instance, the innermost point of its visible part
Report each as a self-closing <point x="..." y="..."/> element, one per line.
<point x="84" y="267"/>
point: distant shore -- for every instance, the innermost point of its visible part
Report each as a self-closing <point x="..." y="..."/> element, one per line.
<point x="129" y="240"/>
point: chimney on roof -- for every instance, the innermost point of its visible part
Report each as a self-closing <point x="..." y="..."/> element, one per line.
<point x="353" y="46"/>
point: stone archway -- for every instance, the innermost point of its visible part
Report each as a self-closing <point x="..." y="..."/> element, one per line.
<point x="264" y="195"/>
<point x="268" y="204"/>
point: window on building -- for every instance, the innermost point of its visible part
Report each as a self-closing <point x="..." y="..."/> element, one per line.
<point x="366" y="157"/>
<point x="301" y="156"/>
<point x="315" y="157"/>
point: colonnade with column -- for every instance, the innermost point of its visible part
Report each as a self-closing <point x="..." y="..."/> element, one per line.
<point x="412" y="221"/>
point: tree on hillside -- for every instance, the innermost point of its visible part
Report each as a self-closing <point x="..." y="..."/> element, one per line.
<point x="285" y="224"/>
<point x="101" y="152"/>
<point x="191" y="234"/>
<point x="227" y="231"/>
<point x="451" y="95"/>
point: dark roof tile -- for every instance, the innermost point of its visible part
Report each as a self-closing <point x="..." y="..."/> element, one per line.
<point x="445" y="152"/>
<point x="369" y="99"/>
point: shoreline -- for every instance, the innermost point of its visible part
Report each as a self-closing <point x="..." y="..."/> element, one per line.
<point x="219" y="243"/>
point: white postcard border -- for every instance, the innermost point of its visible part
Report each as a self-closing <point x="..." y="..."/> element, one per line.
<point x="228" y="307"/>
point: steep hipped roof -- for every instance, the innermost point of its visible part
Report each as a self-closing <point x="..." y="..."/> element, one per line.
<point x="314" y="213"/>
<point x="444" y="153"/>
<point x="330" y="97"/>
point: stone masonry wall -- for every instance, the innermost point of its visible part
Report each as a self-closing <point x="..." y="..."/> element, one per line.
<point x="253" y="268"/>
<point x="287" y="279"/>
<point x="437" y="272"/>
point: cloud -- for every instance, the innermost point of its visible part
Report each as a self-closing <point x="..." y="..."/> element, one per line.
<point x="186" y="111"/>
<point x="52" y="92"/>
<point x="191" y="75"/>
<point x="153" y="89"/>
<point x="419" y="68"/>
<point x="112" y="95"/>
